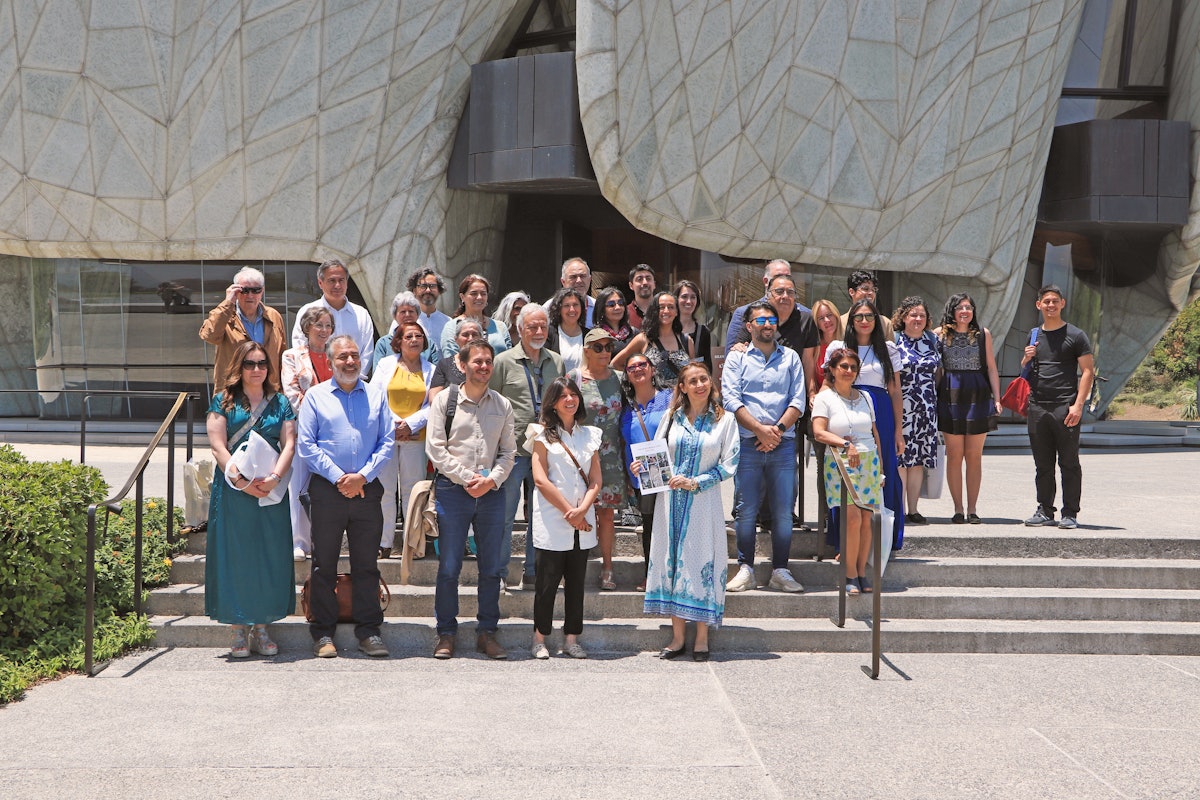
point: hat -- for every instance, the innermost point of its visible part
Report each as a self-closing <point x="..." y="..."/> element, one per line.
<point x="595" y="335"/>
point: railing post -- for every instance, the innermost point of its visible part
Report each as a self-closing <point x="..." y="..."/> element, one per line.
<point x="191" y="424"/>
<point x="876" y="601"/>
<point x="83" y="430"/>
<point x="841" y="577"/>
<point x="137" y="547"/>
<point x="89" y="618"/>
<point x="171" y="483"/>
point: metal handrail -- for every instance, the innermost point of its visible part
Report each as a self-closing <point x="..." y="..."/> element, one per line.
<point x="113" y="505"/>
<point x="850" y="496"/>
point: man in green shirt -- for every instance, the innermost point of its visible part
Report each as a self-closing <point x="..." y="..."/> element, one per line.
<point x="520" y="375"/>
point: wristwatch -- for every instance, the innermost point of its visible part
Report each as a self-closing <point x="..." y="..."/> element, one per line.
<point x="781" y="426"/>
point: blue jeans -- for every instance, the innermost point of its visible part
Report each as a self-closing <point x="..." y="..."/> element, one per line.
<point x="759" y="476"/>
<point x="522" y="470"/>
<point x="457" y="511"/>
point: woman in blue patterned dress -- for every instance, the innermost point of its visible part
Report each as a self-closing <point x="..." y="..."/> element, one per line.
<point x="248" y="574"/>
<point x="920" y="360"/>
<point x="689" y="551"/>
<point x="968" y="400"/>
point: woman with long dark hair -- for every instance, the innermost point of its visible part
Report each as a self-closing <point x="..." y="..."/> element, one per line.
<point x="567" y="330"/>
<point x="687" y="294"/>
<point x="662" y="339"/>
<point x="968" y="400"/>
<point x="248" y="574"/>
<point x="879" y="376"/>
<point x="566" y="472"/>
<point x="612" y="314"/>
<point x="689" y="551"/>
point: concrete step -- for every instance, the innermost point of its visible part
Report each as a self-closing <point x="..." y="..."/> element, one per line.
<point x="989" y="603"/>
<point x="415" y="636"/>
<point x="904" y="570"/>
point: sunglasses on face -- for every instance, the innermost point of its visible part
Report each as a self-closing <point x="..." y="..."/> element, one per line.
<point x="849" y="366"/>
<point x="637" y="366"/>
<point x="614" y="304"/>
<point x="250" y="289"/>
<point x="761" y="321"/>
<point x="247" y="364"/>
<point x="596" y="347"/>
<point x="862" y="317"/>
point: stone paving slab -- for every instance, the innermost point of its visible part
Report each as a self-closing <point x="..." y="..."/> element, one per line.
<point x="187" y="723"/>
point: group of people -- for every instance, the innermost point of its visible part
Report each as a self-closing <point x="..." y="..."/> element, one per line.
<point x="544" y="402"/>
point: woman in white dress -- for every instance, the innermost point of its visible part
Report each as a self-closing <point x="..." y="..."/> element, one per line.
<point x="688" y="550"/>
<point x="566" y="472"/>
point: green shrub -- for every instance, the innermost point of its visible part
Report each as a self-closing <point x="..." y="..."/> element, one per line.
<point x="43" y="529"/>
<point x="1176" y="353"/>
<point x="115" y="552"/>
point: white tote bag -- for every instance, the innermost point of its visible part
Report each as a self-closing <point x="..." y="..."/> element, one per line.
<point x="255" y="458"/>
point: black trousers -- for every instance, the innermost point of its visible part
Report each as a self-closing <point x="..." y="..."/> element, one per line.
<point x="550" y="567"/>
<point x="646" y="506"/>
<point x="361" y="519"/>
<point x="1050" y="439"/>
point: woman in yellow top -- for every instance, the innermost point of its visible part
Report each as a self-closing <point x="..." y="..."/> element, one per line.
<point x="405" y="377"/>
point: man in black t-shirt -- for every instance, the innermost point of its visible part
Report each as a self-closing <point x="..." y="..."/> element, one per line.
<point x="1061" y="383"/>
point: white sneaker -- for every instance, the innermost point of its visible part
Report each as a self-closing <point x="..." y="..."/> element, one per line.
<point x="782" y="580"/>
<point x="743" y="580"/>
<point x="298" y="554"/>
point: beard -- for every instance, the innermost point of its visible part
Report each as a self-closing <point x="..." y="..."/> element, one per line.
<point x="537" y="344"/>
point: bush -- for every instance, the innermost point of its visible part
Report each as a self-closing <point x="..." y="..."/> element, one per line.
<point x="115" y="551"/>
<point x="1176" y="353"/>
<point x="43" y="530"/>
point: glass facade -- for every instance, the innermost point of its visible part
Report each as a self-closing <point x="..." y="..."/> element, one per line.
<point x="134" y="326"/>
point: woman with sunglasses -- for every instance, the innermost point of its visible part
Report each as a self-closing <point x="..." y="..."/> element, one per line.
<point x="614" y="315"/>
<point x="600" y="388"/>
<point x="879" y="376"/>
<point x="405" y="377"/>
<point x="248" y="577"/>
<point x="566" y="327"/>
<point x="844" y="420"/>
<point x="662" y="339"/>
<point x="302" y="368"/>
<point x="689" y="551"/>
<point x="645" y="406"/>
<point x="567" y="473"/>
<point x="687" y="295"/>
<point x="968" y="401"/>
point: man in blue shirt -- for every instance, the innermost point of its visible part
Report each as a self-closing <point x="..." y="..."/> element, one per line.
<point x="345" y="436"/>
<point x="763" y="387"/>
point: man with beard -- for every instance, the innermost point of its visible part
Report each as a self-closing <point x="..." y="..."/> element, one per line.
<point x="520" y="375"/>
<point x="641" y="282"/>
<point x="346" y="436"/>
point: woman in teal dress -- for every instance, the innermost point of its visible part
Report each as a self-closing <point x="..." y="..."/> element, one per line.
<point x="248" y="574"/>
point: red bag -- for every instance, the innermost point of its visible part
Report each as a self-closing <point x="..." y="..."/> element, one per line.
<point x="1016" y="396"/>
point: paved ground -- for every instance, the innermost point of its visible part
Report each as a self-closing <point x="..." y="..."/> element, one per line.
<point x="189" y="723"/>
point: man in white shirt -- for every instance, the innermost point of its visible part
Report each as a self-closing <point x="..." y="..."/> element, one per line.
<point x="348" y="318"/>
<point x="577" y="275"/>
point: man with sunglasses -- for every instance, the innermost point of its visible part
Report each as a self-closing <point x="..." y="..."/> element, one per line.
<point x="520" y="375"/>
<point x="241" y="317"/>
<point x="764" y="388"/>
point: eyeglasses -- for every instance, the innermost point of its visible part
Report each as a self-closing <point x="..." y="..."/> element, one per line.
<point x="782" y="292"/>
<point x="413" y="337"/>
<point x="761" y="321"/>
<point x="614" y="304"/>
<point x="637" y="366"/>
<point x="596" y="347"/>
<point x="250" y="289"/>
<point x="863" y="289"/>
<point x="428" y="286"/>
<point x="862" y="317"/>
<point x="849" y="366"/>
<point x="255" y="364"/>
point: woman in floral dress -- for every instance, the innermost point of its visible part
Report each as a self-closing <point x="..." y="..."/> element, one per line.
<point x="920" y="360"/>
<point x="601" y="388"/>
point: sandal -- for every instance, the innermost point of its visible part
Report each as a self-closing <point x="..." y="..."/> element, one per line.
<point x="606" y="580"/>
<point x="239" y="648"/>
<point x="852" y="586"/>
<point x="261" y="643"/>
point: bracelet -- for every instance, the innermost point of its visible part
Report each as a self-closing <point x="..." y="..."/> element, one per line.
<point x="276" y="477"/>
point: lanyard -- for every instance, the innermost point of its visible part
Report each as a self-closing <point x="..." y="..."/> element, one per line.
<point x="535" y="396"/>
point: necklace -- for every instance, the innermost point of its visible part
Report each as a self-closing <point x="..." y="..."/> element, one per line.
<point x="849" y="405"/>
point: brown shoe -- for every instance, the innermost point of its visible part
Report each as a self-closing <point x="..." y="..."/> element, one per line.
<point x="444" y="647"/>
<point x="385" y="552"/>
<point x="486" y="643"/>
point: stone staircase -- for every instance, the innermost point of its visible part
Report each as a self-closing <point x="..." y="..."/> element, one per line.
<point x="993" y="588"/>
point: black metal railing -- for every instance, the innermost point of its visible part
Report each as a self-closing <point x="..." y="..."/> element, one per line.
<point x="850" y="497"/>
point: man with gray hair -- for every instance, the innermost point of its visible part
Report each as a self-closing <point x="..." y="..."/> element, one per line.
<point x="520" y="375"/>
<point x="241" y="317"/>
<point x="348" y="318"/>
<point x="577" y="275"/>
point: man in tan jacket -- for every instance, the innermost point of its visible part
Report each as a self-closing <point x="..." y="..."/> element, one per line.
<point x="240" y="317"/>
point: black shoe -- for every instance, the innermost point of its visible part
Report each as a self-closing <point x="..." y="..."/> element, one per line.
<point x="667" y="653"/>
<point x="916" y="519"/>
<point x="974" y="519"/>
<point x="959" y="519"/>
<point x="699" y="655"/>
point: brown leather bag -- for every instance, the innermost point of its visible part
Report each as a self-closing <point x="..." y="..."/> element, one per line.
<point x="344" y="589"/>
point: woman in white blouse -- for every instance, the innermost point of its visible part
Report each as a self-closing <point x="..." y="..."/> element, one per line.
<point x="404" y="377"/>
<point x="300" y="369"/>
<point x="879" y="377"/>
<point x="566" y="472"/>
